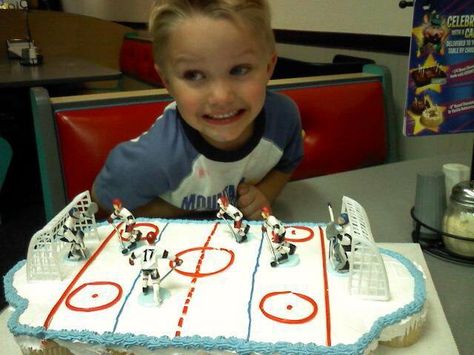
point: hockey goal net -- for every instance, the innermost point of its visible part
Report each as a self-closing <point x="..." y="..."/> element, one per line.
<point x="46" y="252"/>
<point x="367" y="273"/>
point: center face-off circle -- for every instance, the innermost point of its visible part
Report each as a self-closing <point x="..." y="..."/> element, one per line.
<point x="199" y="253"/>
<point x="94" y="296"/>
<point x="288" y="307"/>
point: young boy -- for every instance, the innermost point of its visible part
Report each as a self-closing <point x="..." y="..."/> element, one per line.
<point x="224" y="135"/>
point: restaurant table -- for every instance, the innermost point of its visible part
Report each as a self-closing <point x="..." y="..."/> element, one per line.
<point x="436" y="337"/>
<point x="53" y="70"/>
<point x="61" y="75"/>
<point x="387" y="193"/>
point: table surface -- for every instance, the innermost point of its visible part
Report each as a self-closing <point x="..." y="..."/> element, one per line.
<point x="387" y="193"/>
<point x="436" y="338"/>
<point x="53" y="70"/>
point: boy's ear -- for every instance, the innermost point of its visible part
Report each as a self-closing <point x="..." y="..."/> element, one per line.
<point x="271" y="65"/>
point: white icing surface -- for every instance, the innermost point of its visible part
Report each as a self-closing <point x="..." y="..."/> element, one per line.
<point x="222" y="304"/>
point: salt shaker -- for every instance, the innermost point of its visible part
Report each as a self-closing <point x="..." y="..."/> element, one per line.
<point x="459" y="219"/>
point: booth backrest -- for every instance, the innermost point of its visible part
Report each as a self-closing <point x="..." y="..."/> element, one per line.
<point x="136" y="60"/>
<point x="343" y="121"/>
<point x="344" y="127"/>
<point x="88" y="135"/>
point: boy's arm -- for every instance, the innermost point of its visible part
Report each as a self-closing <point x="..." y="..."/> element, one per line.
<point x="103" y="212"/>
<point x="155" y="208"/>
<point x="253" y="197"/>
<point x="159" y="208"/>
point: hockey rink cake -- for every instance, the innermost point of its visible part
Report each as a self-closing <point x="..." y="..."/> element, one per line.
<point x="223" y="297"/>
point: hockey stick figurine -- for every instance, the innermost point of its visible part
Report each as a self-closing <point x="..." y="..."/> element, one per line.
<point x="339" y="242"/>
<point x="280" y="247"/>
<point x="129" y="234"/>
<point x="124" y="248"/>
<point x="172" y="269"/>
<point x="73" y="234"/>
<point x="275" y="259"/>
<point x="331" y="213"/>
<point x="149" y="256"/>
<point x="230" y="227"/>
<point x="136" y="236"/>
<point x="229" y="210"/>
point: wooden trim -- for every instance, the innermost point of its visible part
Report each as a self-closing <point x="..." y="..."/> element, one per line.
<point x="322" y="79"/>
<point x="108" y="96"/>
<point x="158" y="93"/>
<point x="366" y="42"/>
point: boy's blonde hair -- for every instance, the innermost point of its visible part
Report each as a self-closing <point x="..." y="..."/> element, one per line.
<point x="166" y="13"/>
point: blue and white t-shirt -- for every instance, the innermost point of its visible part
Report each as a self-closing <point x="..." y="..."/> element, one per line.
<point x="172" y="161"/>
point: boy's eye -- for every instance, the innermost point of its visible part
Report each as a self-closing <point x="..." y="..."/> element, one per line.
<point x="193" y="75"/>
<point x="240" y="70"/>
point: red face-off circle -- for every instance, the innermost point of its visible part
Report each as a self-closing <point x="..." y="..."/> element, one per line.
<point x="106" y="292"/>
<point x="299" y="297"/>
<point x="154" y="229"/>
<point x="298" y="234"/>
<point x="202" y="250"/>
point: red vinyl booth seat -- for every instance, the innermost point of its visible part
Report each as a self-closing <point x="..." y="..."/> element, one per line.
<point x="344" y="128"/>
<point x="136" y="61"/>
<point x="86" y="136"/>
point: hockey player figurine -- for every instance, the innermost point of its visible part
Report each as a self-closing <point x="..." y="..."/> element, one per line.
<point x="339" y="243"/>
<point x="73" y="235"/>
<point x="345" y="238"/>
<point x="280" y="247"/>
<point x="131" y="235"/>
<point x="149" y="255"/>
<point x="227" y="210"/>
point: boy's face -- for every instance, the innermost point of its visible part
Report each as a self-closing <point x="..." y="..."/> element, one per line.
<point x="217" y="72"/>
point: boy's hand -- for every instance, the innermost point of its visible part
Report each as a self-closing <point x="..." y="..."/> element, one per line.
<point x="251" y="200"/>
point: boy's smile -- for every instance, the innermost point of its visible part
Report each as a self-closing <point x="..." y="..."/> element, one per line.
<point x="217" y="71"/>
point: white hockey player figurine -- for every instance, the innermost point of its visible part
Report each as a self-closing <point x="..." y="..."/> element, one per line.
<point x="73" y="235"/>
<point x="228" y="210"/>
<point x="276" y="231"/>
<point x="130" y="234"/>
<point x="149" y="256"/>
<point x="345" y="238"/>
<point x="339" y="243"/>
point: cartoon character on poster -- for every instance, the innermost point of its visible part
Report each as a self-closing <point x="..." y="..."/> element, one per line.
<point x="432" y="34"/>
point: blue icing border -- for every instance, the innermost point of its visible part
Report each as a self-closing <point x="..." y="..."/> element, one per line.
<point x="240" y="346"/>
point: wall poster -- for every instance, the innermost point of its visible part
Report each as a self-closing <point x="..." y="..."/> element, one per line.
<point x="440" y="93"/>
